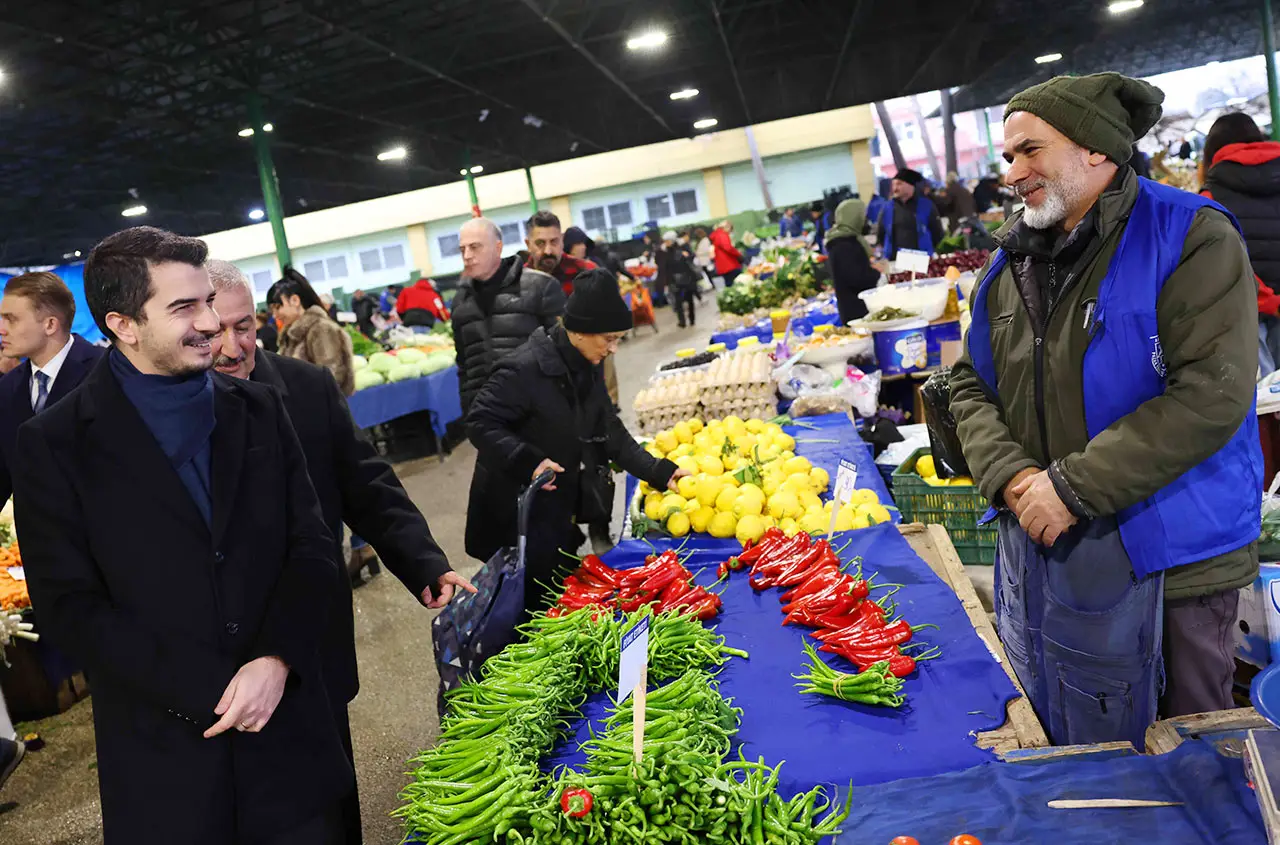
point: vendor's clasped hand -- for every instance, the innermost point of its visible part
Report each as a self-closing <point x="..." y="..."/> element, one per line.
<point x="1039" y="509"/>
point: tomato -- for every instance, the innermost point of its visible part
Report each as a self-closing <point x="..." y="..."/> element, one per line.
<point x="904" y="840"/>
<point x="965" y="839"/>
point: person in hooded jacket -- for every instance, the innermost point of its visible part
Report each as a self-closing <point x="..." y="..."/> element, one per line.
<point x="545" y="408"/>
<point x="1241" y="171"/>
<point x="849" y="255"/>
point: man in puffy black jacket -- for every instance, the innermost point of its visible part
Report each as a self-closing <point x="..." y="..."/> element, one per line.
<point x="499" y="304"/>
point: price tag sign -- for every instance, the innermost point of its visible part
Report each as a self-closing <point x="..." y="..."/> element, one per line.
<point x="912" y="261"/>
<point x="846" y="481"/>
<point x="17" y="573"/>
<point x="635" y="658"/>
<point x="346" y="316"/>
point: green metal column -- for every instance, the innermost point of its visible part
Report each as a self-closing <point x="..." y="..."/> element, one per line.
<point x="270" y="184"/>
<point x="471" y="182"/>
<point x="986" y="127"/>
<point x="533" y="198"/>
<point x="1273" y="87"/>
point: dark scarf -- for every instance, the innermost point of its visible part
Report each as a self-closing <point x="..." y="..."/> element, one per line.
<point x="581" y="371"/>
<point x="178" y="410"/>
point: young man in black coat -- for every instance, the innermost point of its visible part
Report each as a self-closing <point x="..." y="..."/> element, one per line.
<point x="175" y="548"/>
<point x="353" y="485"/>
<point x="35" y="328"/>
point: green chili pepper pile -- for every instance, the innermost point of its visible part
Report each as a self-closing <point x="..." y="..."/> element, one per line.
<point x="681" y="791"/>
<point x="876" y="684"/>
<point x="482" y="779"/>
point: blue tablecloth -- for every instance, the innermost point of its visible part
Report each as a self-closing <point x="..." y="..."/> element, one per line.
<point x="1003" y="803"/>
<point x="436" y="393"/>
<point x="828" y="741"/>
<point x="764" y="328"/>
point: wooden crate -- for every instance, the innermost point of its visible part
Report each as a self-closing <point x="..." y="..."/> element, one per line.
<point x="1021" y="729"/>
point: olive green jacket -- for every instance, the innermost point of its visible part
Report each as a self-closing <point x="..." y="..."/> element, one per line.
<point x="1207" y="314"/>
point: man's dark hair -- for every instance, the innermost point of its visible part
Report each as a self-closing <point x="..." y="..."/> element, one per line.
<point x="293" y="283"/>
<point x="117" y="274"/>
<point x="542" y="218"/>
<point x="1234" y="127"/>
<point x="48" y="295"/>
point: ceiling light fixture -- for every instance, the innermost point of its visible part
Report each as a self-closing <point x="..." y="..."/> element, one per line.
<point x="478" y="168"/>
<point x="134" y="211"/>
<point x="647" y="41"/>
<point x="77" y="253"/>
<point x="685" y="94"/>
<point x="267" y="127"/>
<point x="705" y="123"/>
<point x="1119" y="7"/>
<point x="393" y="154"/>
<point x="245" y="133"/>
<point x="1048" y="57"/>
<point x="256" y="214"/>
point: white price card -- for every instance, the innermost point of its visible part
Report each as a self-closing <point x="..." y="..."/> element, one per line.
<point x="846" y="481"/>
<point x="17" y="573"/>
<point x="346" y="316"/>
<point x="635" y="658"/>
<point x="912" y="261"/>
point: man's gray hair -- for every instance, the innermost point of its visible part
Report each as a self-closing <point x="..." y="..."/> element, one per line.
<point x="226" y="276"/>
<point x="489" y="226"/>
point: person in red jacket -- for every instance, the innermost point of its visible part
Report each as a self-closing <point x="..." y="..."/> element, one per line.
<point x="728" y="259"/>
<point x="420" y="304"/>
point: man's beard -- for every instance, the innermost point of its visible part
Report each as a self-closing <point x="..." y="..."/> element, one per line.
<point x="1060" y="197"/>
<point x="547" y="262"/>
<point x="169" y="360"/>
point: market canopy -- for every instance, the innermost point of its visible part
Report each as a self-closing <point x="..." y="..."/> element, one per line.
<point x="108" y="105"/>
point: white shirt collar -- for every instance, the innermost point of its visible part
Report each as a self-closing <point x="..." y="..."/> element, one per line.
<point x="50" y="369"/>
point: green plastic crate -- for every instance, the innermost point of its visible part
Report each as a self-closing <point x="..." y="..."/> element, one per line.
<point x="958" y="509"/>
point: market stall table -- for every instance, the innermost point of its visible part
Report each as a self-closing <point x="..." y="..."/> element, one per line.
<point x="437" y="394"/>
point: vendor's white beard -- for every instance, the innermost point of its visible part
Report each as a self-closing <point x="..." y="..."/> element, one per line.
<point x="1059" y="198"/>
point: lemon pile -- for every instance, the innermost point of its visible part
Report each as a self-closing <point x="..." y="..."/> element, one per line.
<point x="745" y="479"/>
<point x="929" y="473"/>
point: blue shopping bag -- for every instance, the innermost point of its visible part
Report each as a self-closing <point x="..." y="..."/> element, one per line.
<point x="477" y="626"/>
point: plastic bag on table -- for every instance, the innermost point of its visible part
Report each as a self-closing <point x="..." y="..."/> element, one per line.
<point x="794" y="379"/>
<point x="944" y="441"/>
<point x="856" y="390"/>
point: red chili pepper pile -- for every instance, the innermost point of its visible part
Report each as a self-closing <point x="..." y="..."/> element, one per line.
<point x="820" y="595"/>
<point x="663" y="582"/>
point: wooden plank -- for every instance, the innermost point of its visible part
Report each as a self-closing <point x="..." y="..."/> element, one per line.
<point x="1098" y="751"/>
<point x="1167" y="734"/>
<point x="1021" y="729"/>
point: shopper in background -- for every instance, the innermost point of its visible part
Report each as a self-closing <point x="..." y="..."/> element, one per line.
<point x="387" y="301"/>
<point x="545" y="408"/>
<point x="911" y="221"/>
<point x="498" y="305"/>
<point x="267" y="334"/>
<point x="704" y="253"/>
<point x="728" y="259"/>
<point x="420" y="305"/>
<point x="790" y="226"/>
<point x="675" y="268"/>
<point x="307" y="332"/>
<point x="353" y="484"/>
<point x="363" y="306"/>
<point x="1105" y="395"/>
<point x="849" y="255"/>
<point x="549" y="253"/>
<point x="989" y="191"/>
<point x="821" y="222"/>
<point x="49" y="361"/>
<point x="330" y="306"/>
<point x="175" y="550"/>
<point x="958" y="201"/>
<point x="1240" y="169"/>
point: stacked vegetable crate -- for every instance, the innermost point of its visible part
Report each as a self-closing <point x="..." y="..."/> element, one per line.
<point x="958" y="509"/>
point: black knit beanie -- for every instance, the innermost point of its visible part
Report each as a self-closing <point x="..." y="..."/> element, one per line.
<point x="596" y="306"/>
<point x="1104" y="112"/>
<point x="911" y="177"/>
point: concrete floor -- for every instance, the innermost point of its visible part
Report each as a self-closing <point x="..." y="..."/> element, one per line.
<point x="52" y="799"/>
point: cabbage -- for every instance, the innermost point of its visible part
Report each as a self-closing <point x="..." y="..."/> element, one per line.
<point x="437" y="361"/>
<point x="411" y="355"/>
<point x="368" y="377"/>
<point x="359" y="362"/>
<point x="382" y="362"/>
<point x="404" y="372"/>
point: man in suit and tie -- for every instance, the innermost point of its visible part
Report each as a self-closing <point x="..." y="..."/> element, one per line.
<point x="48" y="362"/>
<point x="174" y="546"/>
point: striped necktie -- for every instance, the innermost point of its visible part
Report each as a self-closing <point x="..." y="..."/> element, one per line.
<point x="42" y="391"/>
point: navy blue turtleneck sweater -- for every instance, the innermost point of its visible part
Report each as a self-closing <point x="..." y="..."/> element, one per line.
<point x="179" y="412"/>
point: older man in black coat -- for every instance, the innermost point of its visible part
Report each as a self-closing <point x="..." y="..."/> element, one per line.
<point x="353" y="484"/>
<point x="175" y="547"/>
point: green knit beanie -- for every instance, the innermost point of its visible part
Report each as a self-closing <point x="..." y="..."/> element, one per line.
<point x="1104" y="112"/>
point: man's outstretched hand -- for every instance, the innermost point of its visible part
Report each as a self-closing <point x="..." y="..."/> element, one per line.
<point x="448" y="584"/>
<point x="252" y="697"/>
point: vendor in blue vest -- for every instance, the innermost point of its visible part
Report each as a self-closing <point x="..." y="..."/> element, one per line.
<point x="1105" y="402"/>
<point x="911" y="221"/>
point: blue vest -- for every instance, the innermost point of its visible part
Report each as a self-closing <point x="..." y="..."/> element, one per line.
<point x="924" y="238"/>
<point x="1213" y="507"/>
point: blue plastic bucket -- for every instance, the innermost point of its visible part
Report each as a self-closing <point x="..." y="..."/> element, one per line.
<point x="937" y="334"/>
<point x="903" y="348"/>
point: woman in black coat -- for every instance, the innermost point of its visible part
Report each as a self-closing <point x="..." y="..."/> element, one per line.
<point x="850" y="258"/>
<point x="545" y="408"/>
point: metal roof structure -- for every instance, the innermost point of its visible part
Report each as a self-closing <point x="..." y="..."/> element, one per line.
<point x="111" y="104"/>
